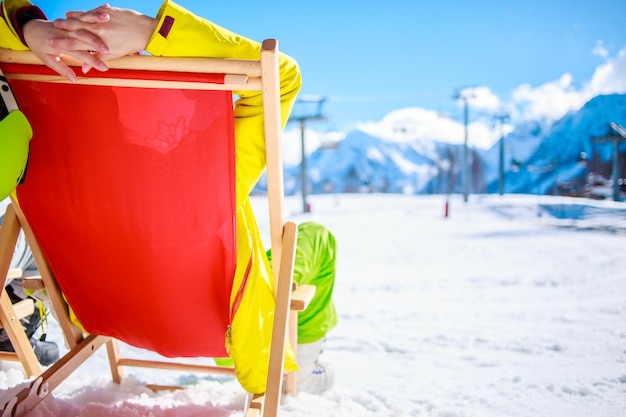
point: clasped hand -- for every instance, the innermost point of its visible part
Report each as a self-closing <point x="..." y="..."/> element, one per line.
<point x="92" y="37"/>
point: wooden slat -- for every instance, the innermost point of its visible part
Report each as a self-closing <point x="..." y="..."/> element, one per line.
<point x="257" y="402"/>
<point x="173" y="366"/>
<point x="252" y="68"/>
<point x="9" y="356"/>
<point x="235" y="82"/>
<point x="156" y="388"/>
<point x="33" y="283"/>
<point x="302" y="296"/>
<point x="23" y="309"/>
<point x="15" y="273"/>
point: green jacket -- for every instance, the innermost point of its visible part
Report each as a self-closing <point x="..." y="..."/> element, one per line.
<point x="314" y="264"/>
<point x="15" y="131"/>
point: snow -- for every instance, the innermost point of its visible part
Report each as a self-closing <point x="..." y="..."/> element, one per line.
<point x="501" y="309"/>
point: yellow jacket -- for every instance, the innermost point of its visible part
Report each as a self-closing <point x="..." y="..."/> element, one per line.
<point x="8" y="36"/>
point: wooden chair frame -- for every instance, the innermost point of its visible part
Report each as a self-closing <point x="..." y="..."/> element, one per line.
<point x="10" y="316"/>
<point x="261" y="75"/>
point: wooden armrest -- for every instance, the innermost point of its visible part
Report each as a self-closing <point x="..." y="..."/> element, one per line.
<point x="257" y="403"/>
<point x="301" y="297"/>
<point x="33" y="283"/>
<point x="23" y="309"/>
<point x="15" y="273"/>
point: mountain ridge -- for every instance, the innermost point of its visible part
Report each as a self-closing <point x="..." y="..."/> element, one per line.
<point x="539" y="158"/>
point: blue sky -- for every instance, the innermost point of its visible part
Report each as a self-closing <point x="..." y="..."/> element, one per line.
<point x="371" y="58"/>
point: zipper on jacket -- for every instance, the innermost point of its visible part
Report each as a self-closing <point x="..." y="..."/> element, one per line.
<point x="238" y="297"/>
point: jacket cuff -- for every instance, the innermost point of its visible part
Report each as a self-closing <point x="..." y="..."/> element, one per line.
<point x="167" y="17"/>
<point x="24" y="15"/>
<point x="170" y="14"/>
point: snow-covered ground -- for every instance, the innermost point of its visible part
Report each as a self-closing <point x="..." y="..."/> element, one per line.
<point x="510" y="306"/>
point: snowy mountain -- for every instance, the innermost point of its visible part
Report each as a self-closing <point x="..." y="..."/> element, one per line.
<point x="567" y="153"/>
<point x="538" y="158"/>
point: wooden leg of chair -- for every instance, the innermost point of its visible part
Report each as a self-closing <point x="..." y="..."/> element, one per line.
<point x="113" y="352"/>
<point x="62" y="368"/>
<point x="73" y="335"/>
<point x="9" y="232"/>
<point x="292" y="377"/>
<point x="281" y="317"/>
<point x="17" y="336"/>
<point x="300" y="299"/>
<point x="39" y="389"/>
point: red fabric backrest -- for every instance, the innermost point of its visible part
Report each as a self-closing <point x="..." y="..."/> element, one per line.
<point x="131" y="195"/>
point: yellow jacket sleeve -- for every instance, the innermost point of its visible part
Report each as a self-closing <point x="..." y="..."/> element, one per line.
<point x="9" y="37"/>
<point x="181" y="33"/>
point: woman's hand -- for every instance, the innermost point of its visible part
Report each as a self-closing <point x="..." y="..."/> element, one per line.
<point x="124" y="31"/>
<point x="49" y="43"/>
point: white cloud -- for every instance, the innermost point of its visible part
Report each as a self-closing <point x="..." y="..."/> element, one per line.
<point x="414" y="123"/>
<point x="609" y="77"/>
<point x="409" y="124"/>
<point x="548" y="101"/>
<point x="554" y="99"/>
<point x="600" y="50"/>
<point x="482" y="98"/>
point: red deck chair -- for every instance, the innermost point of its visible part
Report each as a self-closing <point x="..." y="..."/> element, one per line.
<point x="132" y="220"/>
